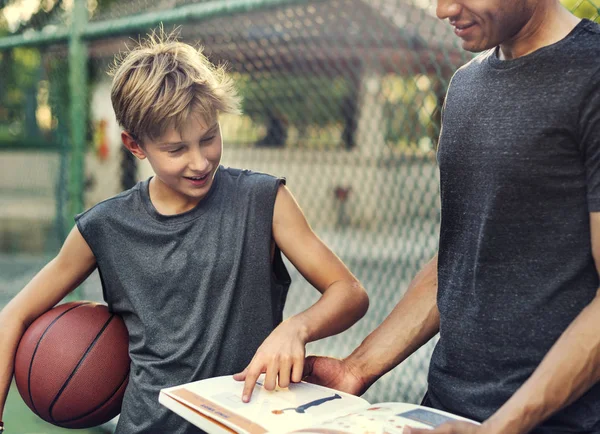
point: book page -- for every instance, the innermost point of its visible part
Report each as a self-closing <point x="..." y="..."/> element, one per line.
<point x="385" y="418"/>
<point x="193" y="416"/>
<point x="282" y="410"/>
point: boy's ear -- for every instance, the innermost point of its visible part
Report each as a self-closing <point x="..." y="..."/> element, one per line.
<point x="132" y="145"/>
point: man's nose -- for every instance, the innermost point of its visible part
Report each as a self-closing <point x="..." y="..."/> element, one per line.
<point x="447" y="9"/>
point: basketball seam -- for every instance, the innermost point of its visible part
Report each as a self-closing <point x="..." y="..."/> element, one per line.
<point x="68" y="380"/>
<point x="98" y="406"/>
<point x="35" y="351"/>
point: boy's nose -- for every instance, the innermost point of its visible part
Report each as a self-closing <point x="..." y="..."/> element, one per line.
<point x="447" y="9"/>
<point x="198" y="162"/>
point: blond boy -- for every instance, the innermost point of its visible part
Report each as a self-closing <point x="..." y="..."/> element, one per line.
<point x="190" y="258"/>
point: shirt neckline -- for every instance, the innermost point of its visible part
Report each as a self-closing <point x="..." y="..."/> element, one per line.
<point x="495" y="62"/>
<point x="186" y="216"/>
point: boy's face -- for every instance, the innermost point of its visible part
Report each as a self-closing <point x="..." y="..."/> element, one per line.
<point x="485" y="24"/>
<point x="184" y="162"/>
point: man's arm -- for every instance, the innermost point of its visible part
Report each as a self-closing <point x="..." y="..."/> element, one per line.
<point x="571" y="367"/>
<point x="413" y="322"/>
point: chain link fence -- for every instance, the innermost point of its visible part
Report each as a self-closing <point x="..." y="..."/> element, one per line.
<point x="341" y="97"/>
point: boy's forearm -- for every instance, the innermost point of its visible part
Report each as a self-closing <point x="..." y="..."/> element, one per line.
<point x="341" y="305"/>
<point x="569" y="369"/>
<point x="9" y="340"/>
<point x="16" y="316"/>
<point x="413" y="322"/>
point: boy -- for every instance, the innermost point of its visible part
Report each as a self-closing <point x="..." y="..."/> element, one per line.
<point x="191" y="258"/>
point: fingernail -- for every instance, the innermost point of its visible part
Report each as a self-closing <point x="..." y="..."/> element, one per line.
<point x="245" y="398"/>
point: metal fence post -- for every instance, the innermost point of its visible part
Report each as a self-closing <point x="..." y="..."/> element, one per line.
<point x="78" y="78"/>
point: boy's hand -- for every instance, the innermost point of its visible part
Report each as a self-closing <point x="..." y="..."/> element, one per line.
<point x="281" y="357"/>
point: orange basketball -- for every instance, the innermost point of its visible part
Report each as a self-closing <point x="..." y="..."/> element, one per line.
<point x="72" y="365"/>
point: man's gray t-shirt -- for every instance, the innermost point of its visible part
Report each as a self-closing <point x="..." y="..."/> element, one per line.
<point x="519" y="159"/>
<point x="198" y="291"/>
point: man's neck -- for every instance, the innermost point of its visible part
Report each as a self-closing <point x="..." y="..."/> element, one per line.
<point x="550" y="23"/>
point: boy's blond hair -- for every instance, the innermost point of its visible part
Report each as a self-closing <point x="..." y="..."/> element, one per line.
<point x="161" y="82"/>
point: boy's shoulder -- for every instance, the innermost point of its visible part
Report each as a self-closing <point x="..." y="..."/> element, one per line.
<point x="249" y="177"/>
<point x="119" y="201"/>
<point x="250" y="187"/>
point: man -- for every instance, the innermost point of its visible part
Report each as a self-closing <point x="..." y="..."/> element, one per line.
<point x="513" y="290"/>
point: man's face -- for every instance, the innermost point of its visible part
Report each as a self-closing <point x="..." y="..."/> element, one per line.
<point x="485" y="24"/>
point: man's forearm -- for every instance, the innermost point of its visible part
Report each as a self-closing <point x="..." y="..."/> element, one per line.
<point x="569" y="369"/>
<point x="414" y="321"/>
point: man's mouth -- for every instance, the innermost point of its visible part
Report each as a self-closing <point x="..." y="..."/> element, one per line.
<point x="462" y="28"/>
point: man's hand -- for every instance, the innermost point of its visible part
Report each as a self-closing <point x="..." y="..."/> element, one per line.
<point x="280" y="357"/>
<point x="450" y="428"/>
<point x="334" y="373"/>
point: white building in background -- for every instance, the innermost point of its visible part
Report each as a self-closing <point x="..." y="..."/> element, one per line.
<point x="359" y="181"/>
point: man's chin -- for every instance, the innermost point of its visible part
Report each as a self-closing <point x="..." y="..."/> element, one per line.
<point x="474" y="47"/>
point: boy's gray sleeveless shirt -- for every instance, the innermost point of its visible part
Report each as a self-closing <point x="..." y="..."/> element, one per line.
<point x="519" y="158"/>
<point x="198" y="291"/>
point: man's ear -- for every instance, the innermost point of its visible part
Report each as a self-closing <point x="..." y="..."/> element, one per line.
<point x="132" y="145"/>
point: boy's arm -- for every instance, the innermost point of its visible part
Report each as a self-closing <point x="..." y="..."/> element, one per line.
<point x="569" y="369"/>
<point x="413" y="322"/>
<point x="342" y="303"/>
<point x="65" y="272"/>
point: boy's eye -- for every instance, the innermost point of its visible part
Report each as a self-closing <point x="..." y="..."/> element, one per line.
<point x="174" y="151"/>
<point x="207" y="139"/>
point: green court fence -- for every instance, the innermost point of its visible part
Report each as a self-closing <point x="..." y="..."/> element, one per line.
<point x="341" y="97"/>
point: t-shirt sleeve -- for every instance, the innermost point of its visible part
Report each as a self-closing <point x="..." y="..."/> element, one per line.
<point x="82" y="220"/>
<point x="266" y="196"/>
<point x="89" y="225"/>
<point x="263" y="189"/>
<point x="271" y="190"/>
<point x="590" y="139"/>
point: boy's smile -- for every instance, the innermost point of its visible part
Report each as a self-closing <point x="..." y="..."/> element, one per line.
<point x="198" y="181"/>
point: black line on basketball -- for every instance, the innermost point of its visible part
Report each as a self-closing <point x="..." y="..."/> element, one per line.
<point x="35" y="351"/>
<point x="68" y="380"/>
<point x="98" y="406"/>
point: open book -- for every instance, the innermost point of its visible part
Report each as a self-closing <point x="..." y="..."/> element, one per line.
<point x="215" y="405"/>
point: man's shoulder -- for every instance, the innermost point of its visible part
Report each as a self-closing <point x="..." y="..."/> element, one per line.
<point x="579" y="59"/>
<point x="474" y="66"/>
<point x="591" y="27"/>
<point x="587" y="41"/>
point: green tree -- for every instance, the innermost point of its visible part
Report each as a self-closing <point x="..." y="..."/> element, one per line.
<point x="584" y="8"/>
